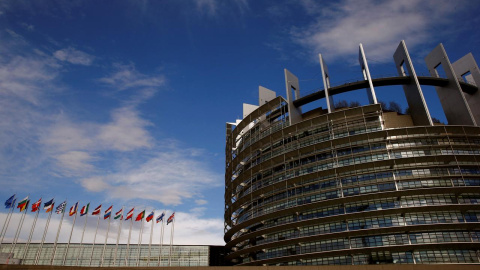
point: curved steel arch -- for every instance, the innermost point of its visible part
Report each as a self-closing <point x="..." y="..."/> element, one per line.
<point x="388" y="81"/>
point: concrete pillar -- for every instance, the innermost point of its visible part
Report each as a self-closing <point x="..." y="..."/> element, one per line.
<point x="265" y="95"/>
<point x="293" y="92"/>
<point x="451" y="96"/>
<point x="372" y="97"/>
<point x="413" y="91"/>
<point x="461" y="67"/>
<point x="326" y="84"/>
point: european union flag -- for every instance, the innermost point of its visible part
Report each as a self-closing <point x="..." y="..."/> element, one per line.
<point x="10" y="203"/>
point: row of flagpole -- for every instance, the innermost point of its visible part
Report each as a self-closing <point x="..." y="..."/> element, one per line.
<point x="48" y="206"/>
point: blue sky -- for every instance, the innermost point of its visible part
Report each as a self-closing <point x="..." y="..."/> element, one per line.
<point x="125" y="102"/>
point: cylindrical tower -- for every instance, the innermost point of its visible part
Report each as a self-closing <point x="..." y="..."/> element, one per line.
<point x="358" y="185"/>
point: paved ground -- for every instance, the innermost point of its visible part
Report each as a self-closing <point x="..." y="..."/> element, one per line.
<point x="341" y="267"/>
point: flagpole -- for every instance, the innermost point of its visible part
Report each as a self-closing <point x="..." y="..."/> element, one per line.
<point x="43" y="238"/>
<point x="128" y="242"/>
<point x="161" y="239"/>
<point x="94" y="238"/>
<point x="7" y="222"/>
<point x="118" y="238"/>
<point x="150" y="243"/>
<point x="19" y="229"/>
<point x="58" y="233"/>
<point x="31" y="234"/>
<point x="80" y="251"/>
<point x="71" y="233"/>
<point x="139" y="243"/>
<point x="106" y="238"/>
<point x="171" y="243"/>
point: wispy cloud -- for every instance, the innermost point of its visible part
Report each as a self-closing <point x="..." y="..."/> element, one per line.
<point x="207" y="6"/>
<point x="169" y="177"/>
<point x="74" y="56"/>
<point x="73" y="144"/>
<point x="378" y="25"/>
<point x="127" y="77"/>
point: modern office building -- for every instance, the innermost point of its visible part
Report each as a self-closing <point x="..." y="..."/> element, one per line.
<point x="83" y="255"/>
<point x="357" y="185"/>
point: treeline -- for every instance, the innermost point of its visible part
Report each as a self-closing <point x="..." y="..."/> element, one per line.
<point x="392" y="107"/>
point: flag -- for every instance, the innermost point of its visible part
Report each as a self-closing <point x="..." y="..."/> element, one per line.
<point x="23" y="204"/>
<point x="160" y="218"/>
<point x="36" y="205"/>
<point x="129" y="214"/>
<point x="10" y="202"/>
<point x="97" y="210"/>
<point x="170" y="219"/>
<point x="73" y="209"/>
<point x="108" y="213"/>
<point x="48" y="206"/>
<point x="61" y="207"/>
<point x="119" y="214"/>
<point x="84" y="210"/>
<point x="140" y="216"/>
<point x="150" y="217"/>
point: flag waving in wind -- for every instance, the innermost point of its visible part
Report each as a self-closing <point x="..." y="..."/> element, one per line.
<point x="84" y="210"/>
<point x="48" y="206"/>
<point x="23" y="204"/>
<point x="150" y="216"/>
<point x="61" y="207"/>
<point x="10" y="202"/>
<point x="36" y="205"/>
<point x="160" y="218"/>
<point x="73" y="209"/>
<point x="140" y="216"/>
<point x="170" y="219"/>
<point x="108" y="213"/>
<point x="97" y="210"/>
<point x="129" y="214"/>
<point x="119" y="214"/>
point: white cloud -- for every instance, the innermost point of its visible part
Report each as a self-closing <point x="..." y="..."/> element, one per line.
<point x="76" y="161"/>
<point x="169" y="177"/>
<point x="201" y="202"/>
<point x="378" y="25"/>
<point x="127" y="77"/>
<point x="126" y="132"/>
<point x="190" y="229"/>
<point x="72" y="144"/>
<point x="74" y="56"/>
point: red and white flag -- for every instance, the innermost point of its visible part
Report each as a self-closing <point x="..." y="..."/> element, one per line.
<point x="130" y="214"/>
<point x="36" y="205"/>
<point x="170" y="219"/>
<point x="97" y="210"/>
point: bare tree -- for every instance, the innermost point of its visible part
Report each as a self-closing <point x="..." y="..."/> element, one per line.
<point x="383" y="104"/>
<point x="394" y="107"/>
<point x="354" y="104"/>
<point x="341" y="104"/>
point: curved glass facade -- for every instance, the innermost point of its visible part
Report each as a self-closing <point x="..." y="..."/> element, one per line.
<point x="347" y="188"/>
